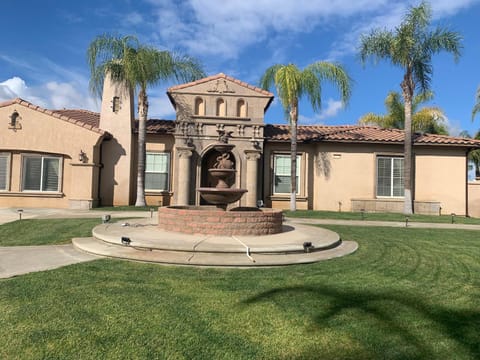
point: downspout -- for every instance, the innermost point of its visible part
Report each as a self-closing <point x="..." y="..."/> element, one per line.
<point x="466" y="183"/>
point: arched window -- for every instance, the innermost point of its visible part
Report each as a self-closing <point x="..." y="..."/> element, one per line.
<point x="221" y="108"/>
<point x="241" y="108"/>
<point x="199" y="106"/>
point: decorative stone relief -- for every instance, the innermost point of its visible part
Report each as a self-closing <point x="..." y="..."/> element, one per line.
<point x="221" y="87"/>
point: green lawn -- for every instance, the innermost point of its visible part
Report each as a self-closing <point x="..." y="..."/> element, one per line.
<point x="346" y="215"/>
<point x="45" y="231"/>
<point x="405" y="294"/>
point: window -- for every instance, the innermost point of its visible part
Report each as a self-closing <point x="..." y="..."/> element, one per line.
<point x="116" y="104"/>
<point x="4" y="171"/>
<point x="157" y="171"/>
<point x="41" y="173"/>
<point x="221" y="109"/>
<point x="199" y="106"/>
<point x="281" y="183"/>
<point x="390" y="176"/>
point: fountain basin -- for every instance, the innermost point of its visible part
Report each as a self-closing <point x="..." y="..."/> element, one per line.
<point x="221" y="196"/>
<point x="209" y="220"/>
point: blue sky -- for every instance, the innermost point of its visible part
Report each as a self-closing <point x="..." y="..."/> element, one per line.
<point x="42" y="52"/>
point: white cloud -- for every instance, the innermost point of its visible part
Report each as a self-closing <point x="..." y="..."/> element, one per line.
<point x="226" y="28"/>
<point x="332" y="109"/>
<point x="52" y="95"/>
<point x="133" y="18"/>
<point x="209" y="27"/>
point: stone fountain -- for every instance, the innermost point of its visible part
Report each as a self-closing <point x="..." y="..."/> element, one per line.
<point x="222" y="194"/>
<point x="217" y="220"/>
<point x="214" y="236"/>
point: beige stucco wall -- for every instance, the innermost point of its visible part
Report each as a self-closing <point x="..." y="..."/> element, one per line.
<point x="474" y="199"/>
<point x="41" y="133"/>
<point x="335" y="176"/>
<point x="441" y="176"/>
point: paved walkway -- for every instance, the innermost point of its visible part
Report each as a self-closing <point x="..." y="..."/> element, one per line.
<point x="384" y="223"/>
<point x="18" y="260"/>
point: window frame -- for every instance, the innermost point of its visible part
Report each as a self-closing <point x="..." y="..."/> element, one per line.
<point x="274" y="174"/>
<point x="24" y="157"/>
<point x="392" y="159"/>
<point x="8" y="156"/>
<point x="168" y="173"/>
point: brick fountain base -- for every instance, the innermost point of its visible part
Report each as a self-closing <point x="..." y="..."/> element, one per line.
<point x="210" y="220"/>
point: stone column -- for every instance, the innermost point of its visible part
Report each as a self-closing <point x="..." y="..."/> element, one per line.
<point x="252" y="176"/>
<point x="183" y="185"/>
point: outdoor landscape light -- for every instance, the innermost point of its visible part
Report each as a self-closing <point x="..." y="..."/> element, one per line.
<point x="406" y="221"/>
<point x="20" y="212"/>
<point x="453" y="217"/>
<point x="106" y="218"/>
<point x="307" y="246"/>
<point x="126" y="241"/>
<point x="151" y="212"/>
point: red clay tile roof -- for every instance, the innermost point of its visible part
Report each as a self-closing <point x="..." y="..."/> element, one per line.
<point x="361" y="134"/>
<point x="83" y="118"/>
<point x="221" y="76"/>
<point x="157" y="126"/>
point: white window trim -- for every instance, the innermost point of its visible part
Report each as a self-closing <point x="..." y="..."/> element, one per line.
<point x="43" y="156"/>
<point x="391" y="157"/>
<point x="299" y="175"/>
<point x="7" y="180"/>
<point x="169" y="171"/>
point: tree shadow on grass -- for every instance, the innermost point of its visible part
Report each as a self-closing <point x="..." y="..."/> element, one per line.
<point x="386" y="314"/>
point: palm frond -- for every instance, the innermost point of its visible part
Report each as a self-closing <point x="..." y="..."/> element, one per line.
<point x="335" y="74"/>
<point x="430" y="120"/>
<point x="374" y="119"/>
<point x="476" y="107"/>
<point x="376" y="45"/>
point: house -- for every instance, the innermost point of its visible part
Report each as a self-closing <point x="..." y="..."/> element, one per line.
<point x="82" y="159"/>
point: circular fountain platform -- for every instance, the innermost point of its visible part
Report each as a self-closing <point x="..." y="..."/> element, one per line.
<point x="142" y="240"/>
<point x="209" y="220"/>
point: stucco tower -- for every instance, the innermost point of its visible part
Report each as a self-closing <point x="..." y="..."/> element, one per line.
<point x="117" y="117"/>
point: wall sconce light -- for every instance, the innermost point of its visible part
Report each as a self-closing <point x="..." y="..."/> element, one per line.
<point x="82" y="157"/>
<point x="14" y="121"/>
<point x="255" y="142"/>
<point x="13" y="118"/>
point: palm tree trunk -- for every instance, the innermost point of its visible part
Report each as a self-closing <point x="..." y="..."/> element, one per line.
<point x="293" y="157"/>
<point x="407" y="89"/>
<point x="142" y="132"/>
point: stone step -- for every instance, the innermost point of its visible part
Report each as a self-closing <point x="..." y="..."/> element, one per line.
<point x="145" y="235"/>
<point x="236" y="259"/>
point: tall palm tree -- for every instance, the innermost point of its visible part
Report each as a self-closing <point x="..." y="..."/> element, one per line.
<point x="291" y="84"/>
<point x="476" y="107"/>
<point x="411" y="46"/>
<point x="429" y="119"/>
<point x="126" y="60"/>
<point x="473" y="155"/>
